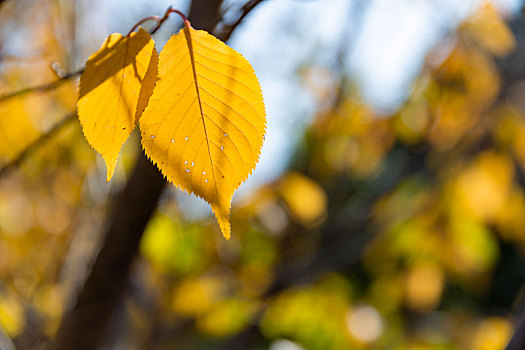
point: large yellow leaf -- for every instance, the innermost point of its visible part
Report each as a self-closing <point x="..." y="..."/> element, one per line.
<point x="114" y="90"/>
<point x="205" y="122"/>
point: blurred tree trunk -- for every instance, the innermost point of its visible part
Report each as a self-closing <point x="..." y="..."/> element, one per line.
<point x="84" y="326"/>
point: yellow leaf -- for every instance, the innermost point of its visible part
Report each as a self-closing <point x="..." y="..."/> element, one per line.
<point x="114" y="90"/>
<point x="205" y="122"/>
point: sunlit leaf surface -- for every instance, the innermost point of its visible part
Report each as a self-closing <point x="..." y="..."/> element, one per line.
<point x="114" y="90"/>
<point x="205" y="123"/>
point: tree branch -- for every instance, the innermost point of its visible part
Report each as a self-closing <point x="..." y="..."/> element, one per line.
<point x="226" y="33"/>
<point x="84" y="326"/>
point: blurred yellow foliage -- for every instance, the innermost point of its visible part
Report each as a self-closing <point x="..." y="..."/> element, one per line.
<point x="424" y="286"/>
<point x="12" y="317"/>
<point x="412" y="122"/>
<point x="17" y="129"/>
<point x="492" y="333"/>
<point x="488" y="29"/>
<point x="512" y="220"/>
<point x="482" y="189"/>
<point x="226" y="317"/>
<point x="353" y="140"/>
<point x="174" y="247"/>
<point x="466" y="82"/>
<point x="387" y="292"/>
<point x="314" y="316"/>
<point x="198" y="295"/>
<point x="472" y="248"/>
<point x="255" y="278"/>
<point x="304" y="197"/>
<point x="49" y="301"/>
<point x="413" y="218"/>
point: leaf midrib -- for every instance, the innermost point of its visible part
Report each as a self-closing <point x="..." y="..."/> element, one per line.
<point x="189" y="42"/>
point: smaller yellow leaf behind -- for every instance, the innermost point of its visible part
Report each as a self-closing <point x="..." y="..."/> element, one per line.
<point x="114" y="91"/>
<point x="205" y="122"/>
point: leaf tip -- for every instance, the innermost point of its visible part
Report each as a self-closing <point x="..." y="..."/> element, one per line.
<point x="110" y="168"/>
<point x="223" y="219"/>
<point x="226" y="230"/>
<point x="224" y="225"/>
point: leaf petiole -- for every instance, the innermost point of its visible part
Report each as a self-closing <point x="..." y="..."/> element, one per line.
<point x="170" y="10"/>
<point x="159" y="20"/>
<point x="149" y="18"/>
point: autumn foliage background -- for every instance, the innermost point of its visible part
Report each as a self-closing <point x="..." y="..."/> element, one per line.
<point x="399" y="228"/>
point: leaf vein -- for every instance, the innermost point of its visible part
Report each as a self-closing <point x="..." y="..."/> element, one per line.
<point x="223" y="54"/>
<point x="232" y="109"/>
<point x="228" y="76"/>
<point x="234" y="145"/>
<point x="230" y="91"/>
<point x="225" y="132"/>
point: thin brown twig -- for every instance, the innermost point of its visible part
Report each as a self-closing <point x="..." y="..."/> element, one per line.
<point x="149" y="18"/>
<point x="165" y="17"/>
<point x="245" y="10"/>
<point x="161" y="21"/>
<point x="16" y="161"/>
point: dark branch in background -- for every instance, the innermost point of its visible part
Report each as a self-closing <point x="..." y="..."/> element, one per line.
<point x="85" y="325"/>
<point x="15" y="162"/>
<point x="225" y="33"/>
